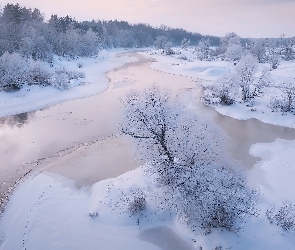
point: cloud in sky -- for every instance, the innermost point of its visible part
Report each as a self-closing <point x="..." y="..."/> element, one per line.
<point x="248" y="18"/>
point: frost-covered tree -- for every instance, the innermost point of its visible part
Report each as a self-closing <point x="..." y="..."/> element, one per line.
<point x="187" y="158"/>
<point x="245" y="70"/>
<point x="185" y="43"/>
<point x="13" y="71"/>
<point x="237" y="85"/>
<point x="234" y="52"/>
<point x="274" y="60"/>
<point x="203" y="49"/>
<point x="161" y="42"/>
<point x="258" y="50"/>
<point x="287" y="49"/>
<point x="227" y="89"/>
<point x="289" y="90"/>
<point x="228" y="40"/>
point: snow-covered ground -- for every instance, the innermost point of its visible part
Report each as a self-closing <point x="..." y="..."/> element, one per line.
<point x="207" y="73"/>
<point x="36" y="97"/>
<point x="48" y="211"/>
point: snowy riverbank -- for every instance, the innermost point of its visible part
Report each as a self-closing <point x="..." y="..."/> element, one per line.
<point x="68" y="223"/>
<point x="32" y="97"/>
<point x="207" y="73"/>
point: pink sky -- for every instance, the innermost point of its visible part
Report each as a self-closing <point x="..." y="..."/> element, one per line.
<point x="248" y="18"/>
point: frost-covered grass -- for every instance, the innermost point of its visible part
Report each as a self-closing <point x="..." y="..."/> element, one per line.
<point x="69" y="86"/>
<point x="266" y="106"/>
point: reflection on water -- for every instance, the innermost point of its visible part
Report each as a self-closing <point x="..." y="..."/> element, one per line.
<point x="165" y="238"/>
<point x="17" y="120"/>
<point x="94" y="118"/>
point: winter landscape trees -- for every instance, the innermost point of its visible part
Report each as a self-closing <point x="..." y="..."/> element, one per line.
<point x="23" y="31"/>
<point x="185" y="155"/>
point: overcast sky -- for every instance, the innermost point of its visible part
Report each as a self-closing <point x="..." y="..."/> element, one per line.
<point x="248" y="18"/>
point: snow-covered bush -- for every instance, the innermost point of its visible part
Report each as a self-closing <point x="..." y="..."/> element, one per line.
<point x="208" y="195"/>
<point x="70" y="73"/>
<point x="168" y="49"/>
<point x="274" y="60"/>
<point x="280" y="104"/>
<point x="60" y="80"/>
<point x="136" y="202"/>
<point x="285" y="101"/>
<point x="284" y="217"/>
<point x="13" y="71"/>
<point x="289" y="91"/>
<point x="160" y="43"/>
<point x="164" y="44"/>
<point x="187" y="158"/>
<point x="16" y="71"/>
<point x="225" y="91"/>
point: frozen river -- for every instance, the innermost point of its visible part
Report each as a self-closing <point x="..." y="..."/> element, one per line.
<point x="79" y="138"/>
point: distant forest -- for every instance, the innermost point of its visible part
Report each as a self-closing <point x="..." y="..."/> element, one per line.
<point x="28" y="44"/>
<point x="24" y="30"/>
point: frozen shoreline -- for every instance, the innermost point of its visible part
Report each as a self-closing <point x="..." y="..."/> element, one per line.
<point x="208" y="72"/>
<point x="31" y="98"/>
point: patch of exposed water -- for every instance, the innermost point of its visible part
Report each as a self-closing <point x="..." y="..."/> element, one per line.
<point x="41" y="134"/>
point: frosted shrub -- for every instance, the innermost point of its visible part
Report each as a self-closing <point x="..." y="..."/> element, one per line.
<point x="137" y="201"/>
<point x="62" y="78"/>
<point x="60" y="81"/>
<point x="224" y="92"/>
<point x="274" y="61"/>
<point x="70" y="73"/>
<point x="38" y="75"/>
<point x="277" y="104"/>
<point x="16" y="71"/>
<point x="207" y="195"/>
<point x="13" y="71"/>
<point x="286" y="101"/>
<point x="284" y="217"/>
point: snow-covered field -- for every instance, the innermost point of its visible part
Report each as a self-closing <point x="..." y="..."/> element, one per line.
<point x="47" y="211"/>
<point x="36" y="97"/>
<point x="208" y="72"/>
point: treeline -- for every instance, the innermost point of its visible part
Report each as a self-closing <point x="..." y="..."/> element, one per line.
<point x="23" y="30"/>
